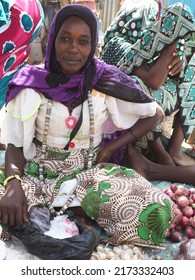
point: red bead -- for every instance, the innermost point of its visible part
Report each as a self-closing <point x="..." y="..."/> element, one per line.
<point x="71" y="145"/>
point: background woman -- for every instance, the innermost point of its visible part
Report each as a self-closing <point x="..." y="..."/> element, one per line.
<point x="159" y="52"/>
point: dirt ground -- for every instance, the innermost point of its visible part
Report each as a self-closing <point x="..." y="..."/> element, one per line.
<point x="188" y="159"/>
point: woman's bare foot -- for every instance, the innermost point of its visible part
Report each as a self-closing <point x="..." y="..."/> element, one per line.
<point x="140" y="163"/>
<point x="154" y="171"/>
<point x="177" y="158"/>
<point x="165" y="160"/>
<point x="160" y="155"/>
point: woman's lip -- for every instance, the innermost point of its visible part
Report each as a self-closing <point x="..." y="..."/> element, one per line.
<point x="71" y="59"/>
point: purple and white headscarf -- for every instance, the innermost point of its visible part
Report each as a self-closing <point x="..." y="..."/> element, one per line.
<point x="71" y="90"/>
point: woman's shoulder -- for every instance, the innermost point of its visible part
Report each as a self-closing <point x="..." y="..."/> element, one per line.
<point x="26" y="103"/>
<point x="27" y="96"/>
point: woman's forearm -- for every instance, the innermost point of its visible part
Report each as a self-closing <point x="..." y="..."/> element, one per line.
<point x="139" y="129"/>
<point x="13" y="204"/>
<point x="14" y="160"/>
<point x="154" y="75"/>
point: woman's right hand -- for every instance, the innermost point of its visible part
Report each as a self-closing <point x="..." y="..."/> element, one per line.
<point x="168" y="63"/>
<point x="105" y="153"/>
<point x="13" y="204"/>
<point x="175" y="66"/>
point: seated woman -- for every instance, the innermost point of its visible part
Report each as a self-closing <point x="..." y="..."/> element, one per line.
<point x="159" y="54"/>
<point x="53" y="155"/>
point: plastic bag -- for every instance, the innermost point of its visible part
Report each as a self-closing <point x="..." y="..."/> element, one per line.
<point x="79" y="247"/>
<point x="62" y="227"/>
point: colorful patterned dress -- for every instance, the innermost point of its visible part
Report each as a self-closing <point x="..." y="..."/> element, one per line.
<point x="20" y="24"/>
<point x="135" y="37"/>
<point x="124" y="203"/>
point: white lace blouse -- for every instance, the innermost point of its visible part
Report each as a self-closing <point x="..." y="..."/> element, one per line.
<point x="25" y="116"/>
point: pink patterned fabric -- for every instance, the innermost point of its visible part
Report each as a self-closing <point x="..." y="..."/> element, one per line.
<point x="20" y="23"/>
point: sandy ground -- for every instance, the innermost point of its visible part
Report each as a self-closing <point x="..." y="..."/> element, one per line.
<point x="188" y="159"/>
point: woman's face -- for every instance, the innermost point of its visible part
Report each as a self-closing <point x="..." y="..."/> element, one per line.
<point x="73" y="44"/>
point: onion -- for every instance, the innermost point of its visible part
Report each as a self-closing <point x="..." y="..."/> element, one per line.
<point x="192" y="190"/>
<point x="193" y="196"/>
<point x="190" y="233"/>
<point x="182" y="201"/>
<point x="193" y="205"/>
<point x="173" y="197"/>
<point x="175" y="236"/>
<point x="178" y="227"/>
<point x="184" y="213"/>
<point x="187" y="193"/>
<point x="173" y="188"/>
<point x="192" y="222"/>
<point x="187" y="211"/>
<point x="184" y="221"/>
<point x="168" y="234"/>
<point x="178" y="215"/>
<point x="180" y="191"/>
<point x="172" y="226"/>
<point x="191" y="201"/>
<point x="169" y="193"/>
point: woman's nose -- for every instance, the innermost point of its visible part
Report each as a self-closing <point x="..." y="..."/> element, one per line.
<point x="72" y="45"/>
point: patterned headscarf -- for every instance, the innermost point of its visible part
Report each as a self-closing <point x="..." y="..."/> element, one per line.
<point x="71" y="90"/>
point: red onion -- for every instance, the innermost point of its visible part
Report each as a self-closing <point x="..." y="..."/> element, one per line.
<point x="191" y="201"/>
<point x="190" y="233"/>
<point x="172" y="226"/>
<point x="192" y="222"/>
<point x="178" y="227"/>
<point x="173" y="187"/>
<point x="180" y="191"/>
<point x="184" y="213"/>
<point x="187" y="211"/>
<point x="187" y="193"/>
<point x="169" y="193"/>
<point x="178" y="215"/>
<point x="184" y="221"/>
<point x="182" y="201"/>
<point x="168" y="234"/>
<point x="193" y="196"/>
<point x="175" y="236"/>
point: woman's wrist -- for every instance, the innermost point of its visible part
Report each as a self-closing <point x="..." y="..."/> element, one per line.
<point x="133" y="135"/>
<point x="10" y="178"/>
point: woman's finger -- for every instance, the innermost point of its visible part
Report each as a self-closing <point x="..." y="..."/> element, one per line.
<point x="175" y="66"/>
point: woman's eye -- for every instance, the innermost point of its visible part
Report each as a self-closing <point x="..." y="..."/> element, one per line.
<point x="84" y="42"/>
<point x="64" y="39"/>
